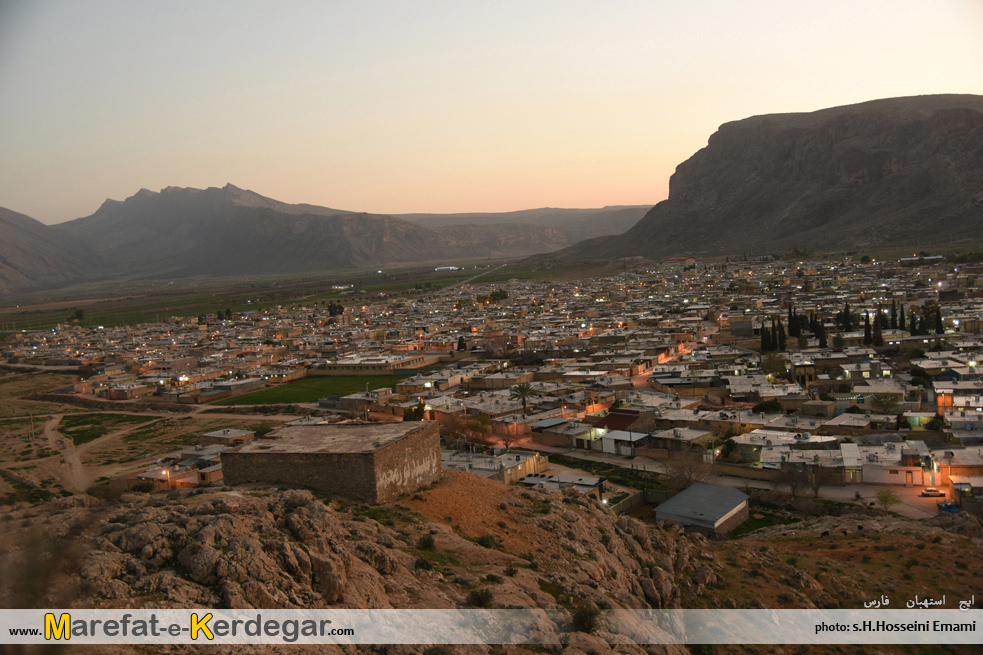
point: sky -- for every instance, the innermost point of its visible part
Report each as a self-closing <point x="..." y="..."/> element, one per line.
<point x="400" y="107"/>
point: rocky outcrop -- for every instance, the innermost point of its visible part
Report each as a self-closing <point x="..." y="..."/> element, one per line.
<point x="901" y="171"/>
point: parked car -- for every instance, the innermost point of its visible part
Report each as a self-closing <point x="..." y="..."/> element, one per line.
<point x="932" y="491"/>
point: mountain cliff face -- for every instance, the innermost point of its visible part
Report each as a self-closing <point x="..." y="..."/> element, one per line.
<point x="902" y="171"/>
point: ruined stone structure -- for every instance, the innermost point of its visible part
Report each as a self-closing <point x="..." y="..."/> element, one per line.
<point x="368" y="463"/>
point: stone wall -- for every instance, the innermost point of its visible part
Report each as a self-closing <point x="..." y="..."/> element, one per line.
<point x="397" y="468"/>
<point x="407" y="464"/>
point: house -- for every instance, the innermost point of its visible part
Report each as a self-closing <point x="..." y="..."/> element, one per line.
<point x="706" y="508"/>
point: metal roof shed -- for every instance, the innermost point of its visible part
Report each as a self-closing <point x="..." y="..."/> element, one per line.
<point x="706" y="508"/>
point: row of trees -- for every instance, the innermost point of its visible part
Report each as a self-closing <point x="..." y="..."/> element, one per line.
<point x="922" y="321"/>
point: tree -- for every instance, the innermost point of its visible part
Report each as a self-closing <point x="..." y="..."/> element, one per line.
<point x="821" y="333"/>
<point x="937" y="423"/>
<point x="803" y="342"/>
<point x="838" y="342"/>
<point x="939" y="328"/>
<point x="765" y="338"/>
<point x="774" y="363"/>
<point x="79" y="314"/>
<point x="462" y="345"/>
<point x="868" y="337"/>
<point x="901" y="325"/>
<point x="887" y="498"/>
<point x="902" y="422"/>
<point x="894" y="315"/>
<point x="884" y="404"/>
<point x="878" y="336"/>
<point x="261" y="429"/>
<point x="781" y="336"/>
<point x="511" y="435"/>
<point x="687" y="468"/>
<point x="769" y="406"/>
<point x="522" y="392"/>
<point x="819" y="476"/>
<point x="789" y="477"/>
<point x="414" y="413"/>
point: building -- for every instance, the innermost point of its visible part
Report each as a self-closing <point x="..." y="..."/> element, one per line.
<point x="706" y="508"/>
<point x="371" y="463"/>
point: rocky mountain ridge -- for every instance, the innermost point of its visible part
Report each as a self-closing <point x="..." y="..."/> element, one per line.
<point x="185" y="232"/>
<point x="891" y="172"/>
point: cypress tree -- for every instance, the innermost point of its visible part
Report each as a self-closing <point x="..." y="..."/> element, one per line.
<point x="781" y="337"/>
<point x="901" y="325"/>
<point x="878" y="337"/>
<point x="765" y="338"/>
<point x="894" y="315"/>
<point x="821" y="333"/>
<point x="868" y="338"/>
<point x="939" y="328"/>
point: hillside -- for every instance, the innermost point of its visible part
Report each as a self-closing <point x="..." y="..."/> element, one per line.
<point x="185" y="232"/>
<point x="32" y="255"/>
<point x="527" y="549"/>
<point x="893" y="172"/>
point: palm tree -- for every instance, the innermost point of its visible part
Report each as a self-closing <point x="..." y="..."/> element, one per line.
<point x="522" y="392"/>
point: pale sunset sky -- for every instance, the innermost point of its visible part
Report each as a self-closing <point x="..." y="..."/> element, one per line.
<point x="398" y="107"/>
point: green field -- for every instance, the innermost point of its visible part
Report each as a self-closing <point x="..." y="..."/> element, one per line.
<point x="310" y="390"/>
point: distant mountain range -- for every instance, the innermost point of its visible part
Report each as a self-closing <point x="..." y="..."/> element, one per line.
<point x="901" y="171"/>
<point x="183" y="232"/>
<point x="894" y="172"/>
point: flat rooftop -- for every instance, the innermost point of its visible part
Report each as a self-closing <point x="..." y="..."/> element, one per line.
<point x="334" y="439"/>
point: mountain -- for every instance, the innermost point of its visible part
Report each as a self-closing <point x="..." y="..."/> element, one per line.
<point x="892" y="172"/>
<point x="182" y="232"/>
<point x="574" y="224"/>
<point x="33" y="255"/>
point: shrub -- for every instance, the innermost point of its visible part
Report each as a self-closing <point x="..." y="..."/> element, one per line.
<point x="511" y="570"/>
<point x="494" y="579"/>
<point x="487" y="541"/>
<point x="425" y="542"/>
<point x="423" y="564"/>
<point x="585" y="618"/>
<point x="480" y="598"/>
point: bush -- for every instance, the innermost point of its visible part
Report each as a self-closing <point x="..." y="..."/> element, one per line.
<point x="494" y="579"/>
<point x="487" y="541"/>
<point x="144" y="487"/>
<point x="425" y="542"/>
<point x="511" y="570"/>
<point x="423" y="564"/>
<point x="585" y="618"/>
<point x="480" y="598"/>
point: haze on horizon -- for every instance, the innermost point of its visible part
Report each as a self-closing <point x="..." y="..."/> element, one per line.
<point x="435" y="107"/>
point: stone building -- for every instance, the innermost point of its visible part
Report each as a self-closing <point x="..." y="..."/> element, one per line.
<point x="371" y="463"/>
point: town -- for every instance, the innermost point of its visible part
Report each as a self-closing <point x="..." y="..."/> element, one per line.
<point x="852" y="378"/>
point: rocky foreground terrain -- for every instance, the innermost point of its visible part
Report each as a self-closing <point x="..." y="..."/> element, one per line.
<point x="439" y="548"/>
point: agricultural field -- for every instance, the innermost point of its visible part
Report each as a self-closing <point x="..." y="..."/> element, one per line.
<point x="310" y="390"/>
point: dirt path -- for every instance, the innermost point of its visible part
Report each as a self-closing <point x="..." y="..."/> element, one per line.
<point x="68" y="468"/>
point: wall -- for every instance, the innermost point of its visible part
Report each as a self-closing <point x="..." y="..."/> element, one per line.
<point x="395" y="469"/>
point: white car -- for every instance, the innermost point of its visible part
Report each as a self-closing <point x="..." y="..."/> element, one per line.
<point x="932" y="491"/>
